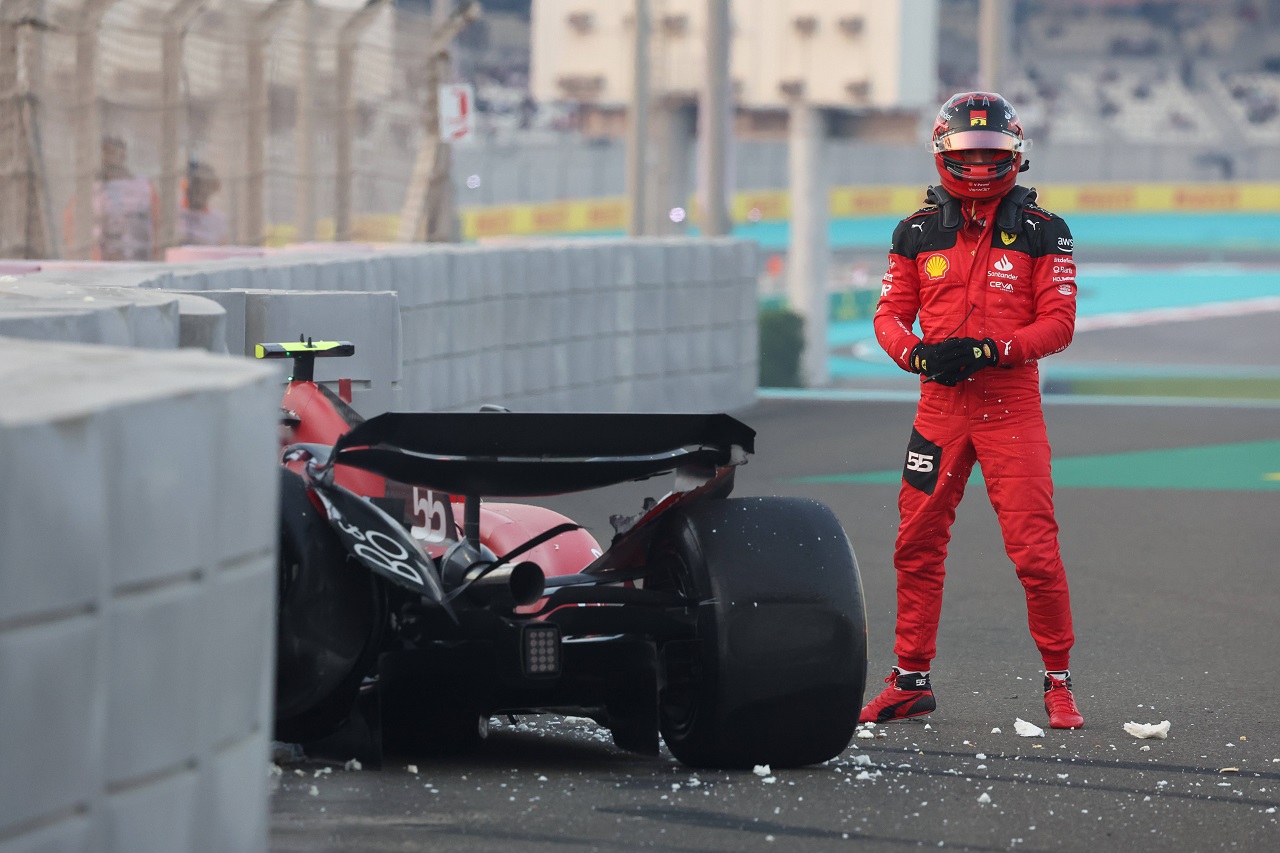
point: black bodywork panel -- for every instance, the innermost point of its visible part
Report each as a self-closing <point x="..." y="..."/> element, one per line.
<point x="508" y="454"/>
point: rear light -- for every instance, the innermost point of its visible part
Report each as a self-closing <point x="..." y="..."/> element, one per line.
<point x="540" y="649"/>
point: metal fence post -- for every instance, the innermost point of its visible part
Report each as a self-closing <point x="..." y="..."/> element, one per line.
<point x="263" y="27"/>
<point x="87" y="133"/>
<point x="176" y="22"/>
<point x="304" y="205"/>
<point x="348" y="41"/>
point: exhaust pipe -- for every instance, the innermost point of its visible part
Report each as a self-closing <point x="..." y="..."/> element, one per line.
<point x="514" y="585"/>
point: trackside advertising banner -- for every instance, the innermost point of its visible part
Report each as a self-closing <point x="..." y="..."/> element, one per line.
<point x="609" y="215"/>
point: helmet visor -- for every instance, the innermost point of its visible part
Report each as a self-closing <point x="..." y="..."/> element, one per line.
<point x="966" y="140"/>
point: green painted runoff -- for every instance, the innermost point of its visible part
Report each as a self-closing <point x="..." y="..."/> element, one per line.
<point x="1246" y="466"/>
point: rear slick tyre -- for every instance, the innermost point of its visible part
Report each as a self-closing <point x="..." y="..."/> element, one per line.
<point x="777" y="670"/>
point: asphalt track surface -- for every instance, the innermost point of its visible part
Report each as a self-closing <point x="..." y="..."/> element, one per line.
<point x="1170" y="516"/>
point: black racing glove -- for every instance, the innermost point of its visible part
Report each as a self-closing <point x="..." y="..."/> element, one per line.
<point x="967" y="357"/>
<point x="942" y="362"/>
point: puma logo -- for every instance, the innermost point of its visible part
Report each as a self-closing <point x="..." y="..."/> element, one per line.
<point x="919" y="225"/>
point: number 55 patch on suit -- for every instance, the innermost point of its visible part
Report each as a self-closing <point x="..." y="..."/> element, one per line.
<point x="923" y="458"/>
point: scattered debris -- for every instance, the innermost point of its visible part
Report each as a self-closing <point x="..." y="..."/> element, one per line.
<point x="412" y="768"/>
<point x="984" y="798"/>
<point x="353" y="764"/>
<point x="1148" y="730"/>
<point x="761" y="770"/>
<point x="1229" y="770"/>
<point x="1025" y="729"/>
<point x="996" y="730"/>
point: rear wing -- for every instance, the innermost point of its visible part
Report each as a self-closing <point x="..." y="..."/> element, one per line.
<point x="518" y="454"/>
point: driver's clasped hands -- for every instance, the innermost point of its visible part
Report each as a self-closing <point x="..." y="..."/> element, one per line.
<point x="954" y="360"/>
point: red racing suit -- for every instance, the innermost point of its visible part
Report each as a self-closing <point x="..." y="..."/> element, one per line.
<point x="998" y="268"/>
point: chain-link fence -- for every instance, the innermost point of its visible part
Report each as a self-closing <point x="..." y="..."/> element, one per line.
<point x="129" y="126"/>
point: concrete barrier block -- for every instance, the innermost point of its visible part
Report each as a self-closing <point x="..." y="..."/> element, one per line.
<point x="699" y="306"/>
<point x="675" y="356"/>
<point x="647" y="396"/>
<point x="153" y="652"/>
<point x="512" y="371"/>
<point x="678" y="261"/>
<point x="562" y="326"/>
<point x="232" y="803"/>
<point x="678" y="305"/>
<point x="159" y="503"/>
<point x="624" y="357"/>
<point x="538" y="278"/>
<point x="651" y="266"/>
<point x="72" y="834"/>
<point x="41" y="573"/>
<point x="158" y="817"/>
<point x="515" y="270"/>
<point x="650" y="360"/>
<point x="51" y="752"/>
<point x="702" y="262"/>
<point x="699" y="354"/>
<point x="537" y="369"/>
<point x="562" y="259"/>
<point x="724" y="346"/>
<point x="650" y="308"/>
<point x="625" y="310"/>
<point x="202" y="324"/>
<point x="539" y="319"/>
<point x="236" y="651"/>
<point x="561" y="375"/>
<point x="246" y="449"/>
<point x="232" y="303"/>
<point x="490" y="387"/>
<point x="581" y="357"/>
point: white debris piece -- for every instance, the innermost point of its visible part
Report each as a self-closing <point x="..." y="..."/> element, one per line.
<point x="412" y="768"/>
<point x="353" y="764"/>
<point x="985" y="798"/>
<point x="315" y="792"/>
<point x="761" y="770"/>
<point x="1157" y="730"/>
<point x="865" y="734"/>
<point x="996" y="730"/>
<point x="863" y="760"/>
<point x="1025" y="729"/>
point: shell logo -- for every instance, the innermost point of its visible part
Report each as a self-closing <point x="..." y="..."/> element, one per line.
<point x="936" y="266"/>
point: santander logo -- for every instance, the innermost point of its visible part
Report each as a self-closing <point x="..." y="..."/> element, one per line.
<point x="1004" y="264"/>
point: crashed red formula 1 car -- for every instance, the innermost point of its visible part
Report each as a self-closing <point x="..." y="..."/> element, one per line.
<point x="415" y="603"/>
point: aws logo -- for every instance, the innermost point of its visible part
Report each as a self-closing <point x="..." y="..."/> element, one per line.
<point x="936" y="266"/>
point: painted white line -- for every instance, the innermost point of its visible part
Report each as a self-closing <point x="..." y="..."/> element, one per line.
<point x="1152" y="316"/>
<point x="851" y="395"/>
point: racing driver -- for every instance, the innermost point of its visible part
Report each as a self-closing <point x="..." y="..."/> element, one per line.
<point x="990" y="277"/>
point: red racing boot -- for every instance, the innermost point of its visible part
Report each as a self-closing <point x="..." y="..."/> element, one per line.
<point x="1060" y="703"/>
<point x="908" y="695"/>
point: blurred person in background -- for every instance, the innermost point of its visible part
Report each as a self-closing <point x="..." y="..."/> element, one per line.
<point x="198" y="223"/>
<point x="990" y="277"/>
<point x="126" y="209"/>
